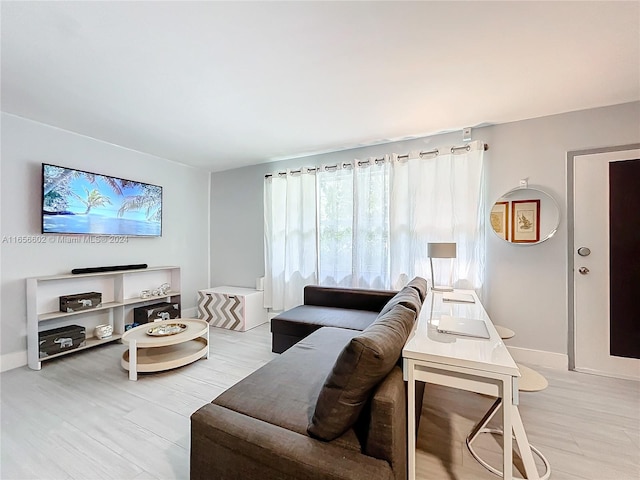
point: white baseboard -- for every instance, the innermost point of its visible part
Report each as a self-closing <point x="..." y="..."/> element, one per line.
<point x="607" y="374"/>
<point x="559" y="361"/>
<point x="9" y="361"/>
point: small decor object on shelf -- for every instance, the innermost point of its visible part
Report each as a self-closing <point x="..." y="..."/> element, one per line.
<point x="80" y="301"/>
<point x="166" y="329"/>
<point x="161" y="291"/>
<point x="103" y="331"/>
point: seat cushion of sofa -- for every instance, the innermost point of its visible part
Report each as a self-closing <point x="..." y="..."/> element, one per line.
<point x="284" y="391"/>
<point x="305" y="319"/>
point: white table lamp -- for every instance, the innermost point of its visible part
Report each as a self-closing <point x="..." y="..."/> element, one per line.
<point x="441" y="250"/>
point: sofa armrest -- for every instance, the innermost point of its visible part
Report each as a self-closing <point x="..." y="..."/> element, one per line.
<point x="387" y="435"/>
<point x="227" y="445"/>
<point x="352" y="298"/>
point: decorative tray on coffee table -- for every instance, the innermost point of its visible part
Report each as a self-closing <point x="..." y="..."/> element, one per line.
<point x="166" y="329"/>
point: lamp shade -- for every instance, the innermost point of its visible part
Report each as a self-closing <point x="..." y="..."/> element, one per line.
<point x="441" y="250"/>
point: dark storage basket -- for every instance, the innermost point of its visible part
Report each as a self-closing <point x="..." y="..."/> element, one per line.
<point x="61" y="339"/>
<point x="155" y="312"/>
<point x="80" y="301"/>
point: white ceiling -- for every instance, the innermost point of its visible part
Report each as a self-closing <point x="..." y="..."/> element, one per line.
<point x="221" y="85"/>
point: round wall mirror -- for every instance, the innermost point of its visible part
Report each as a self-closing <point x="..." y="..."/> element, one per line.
<point x="525" y="216"/>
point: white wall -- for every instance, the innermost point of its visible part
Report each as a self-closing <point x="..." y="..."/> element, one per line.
<point x="25" y="146"/>
<point x="526" y="287"/>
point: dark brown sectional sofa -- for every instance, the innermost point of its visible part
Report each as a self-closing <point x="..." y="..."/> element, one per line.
<point x="332" y="406"/>
<point x="351" y="308"/>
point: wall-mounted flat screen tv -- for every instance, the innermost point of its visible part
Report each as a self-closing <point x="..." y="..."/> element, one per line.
<point x="79" y="202"/>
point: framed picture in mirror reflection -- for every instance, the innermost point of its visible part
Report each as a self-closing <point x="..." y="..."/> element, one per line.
<point x="500" y="219"/>
<point x="525" y="221"/>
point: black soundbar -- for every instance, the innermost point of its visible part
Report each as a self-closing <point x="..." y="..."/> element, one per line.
<point x="114" y="268"/>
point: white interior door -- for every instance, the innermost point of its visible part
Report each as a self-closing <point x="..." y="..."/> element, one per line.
<point x="592" y="282"/>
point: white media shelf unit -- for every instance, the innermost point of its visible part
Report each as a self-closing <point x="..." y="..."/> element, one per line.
<point x="120" y="294"/>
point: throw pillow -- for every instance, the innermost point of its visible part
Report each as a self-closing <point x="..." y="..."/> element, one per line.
<point x="407" y="297"/>
<point x="364" y="362"/>
<point x="421" y="286"/>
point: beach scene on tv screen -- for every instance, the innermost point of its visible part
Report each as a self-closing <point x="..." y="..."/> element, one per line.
<point x="86" y="203"/>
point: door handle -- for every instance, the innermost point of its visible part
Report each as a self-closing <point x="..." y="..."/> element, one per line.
<point x="583" y="270"/>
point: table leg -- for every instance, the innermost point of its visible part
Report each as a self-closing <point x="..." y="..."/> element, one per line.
<point x="208" y="327"/>
<point x="523" y="445"/>
<point x="507" y="428"/>
<point x="411" y="421"/>
<point x="133" y="360"/>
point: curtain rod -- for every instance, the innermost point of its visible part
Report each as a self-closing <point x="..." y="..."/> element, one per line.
<point x="434" y="152"/>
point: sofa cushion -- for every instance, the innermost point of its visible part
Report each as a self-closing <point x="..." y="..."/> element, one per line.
<point x="407" y="297"/>
<point x="284" y="391"/>
<point x="362" y="364"/>
<point x="305" y="319"/>
<point x="344" y="297"/>
<point x="421" y="286"/>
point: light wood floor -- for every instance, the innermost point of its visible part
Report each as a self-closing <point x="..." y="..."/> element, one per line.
<point x="81" y="418"/>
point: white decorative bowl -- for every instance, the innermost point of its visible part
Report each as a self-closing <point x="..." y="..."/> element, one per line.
<point x="103" y="331"/>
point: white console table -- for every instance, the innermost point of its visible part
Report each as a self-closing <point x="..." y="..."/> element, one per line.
<point x="471" y="364"/>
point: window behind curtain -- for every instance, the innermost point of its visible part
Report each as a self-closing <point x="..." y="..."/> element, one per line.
<point x="353" y="226"/>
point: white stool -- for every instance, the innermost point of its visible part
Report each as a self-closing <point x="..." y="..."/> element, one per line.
<point x="504" y="332"/>
<point x="530" y="381"/>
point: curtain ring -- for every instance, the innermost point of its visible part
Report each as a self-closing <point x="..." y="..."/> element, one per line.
<point x="466" y="147"/>
<point x="433" y="152"/>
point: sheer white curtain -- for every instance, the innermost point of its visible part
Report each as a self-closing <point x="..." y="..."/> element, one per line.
<point x="353" y="213"/>
<point x="367" y="223"/>
<point x="290" y="238"/>
<point x="439" y="199"/>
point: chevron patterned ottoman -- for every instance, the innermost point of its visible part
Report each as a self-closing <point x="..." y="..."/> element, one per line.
<point x="235" y="308"/>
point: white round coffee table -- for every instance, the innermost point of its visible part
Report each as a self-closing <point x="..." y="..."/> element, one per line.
<point x="155" y="353"/>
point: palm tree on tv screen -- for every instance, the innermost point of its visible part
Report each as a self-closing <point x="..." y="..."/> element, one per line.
<point x="57" y="187"/>
<point x="149" y="200"/>
<point x="94" y="199"/>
